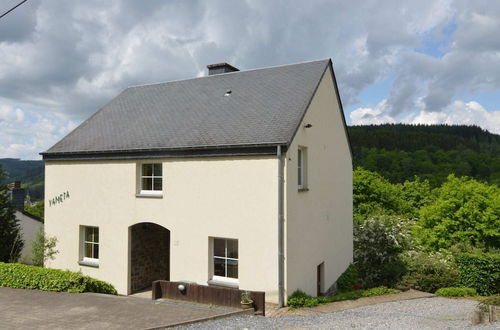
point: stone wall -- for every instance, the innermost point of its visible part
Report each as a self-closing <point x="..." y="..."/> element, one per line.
<point x="150" y="255"/>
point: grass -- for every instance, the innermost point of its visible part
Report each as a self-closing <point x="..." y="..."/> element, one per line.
<point x="300" y="299"/>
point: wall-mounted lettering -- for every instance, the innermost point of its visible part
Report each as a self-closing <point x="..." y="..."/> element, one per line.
<point x="58" y="199"/>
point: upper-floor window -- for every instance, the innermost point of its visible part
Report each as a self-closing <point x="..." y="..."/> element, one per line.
<point x="151" y="179"/>
<point x="301" y="167"/>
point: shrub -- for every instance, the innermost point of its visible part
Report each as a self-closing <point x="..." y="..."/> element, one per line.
<point x="429" y="271"/>
<point x="43" y="248"/>
<point x="378" y="243"/>
<point x="480" y="271"/>
<point x="456" y="292"/>
<point x="32" y="277"/>
<point x="380" y="291"/>
<point x="348" y="279"/>
<point x="301" y="299"/>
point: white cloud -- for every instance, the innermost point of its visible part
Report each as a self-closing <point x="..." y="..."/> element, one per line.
<point x="62" y="70"/>
<point x="461" y="113"/>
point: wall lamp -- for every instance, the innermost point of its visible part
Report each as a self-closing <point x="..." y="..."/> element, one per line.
<point x="308" y="126"/>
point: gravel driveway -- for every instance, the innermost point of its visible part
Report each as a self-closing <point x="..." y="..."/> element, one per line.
<point x="424" y="313"/>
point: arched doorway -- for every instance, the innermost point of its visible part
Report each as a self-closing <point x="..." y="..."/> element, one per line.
<point x="149" y="255"/>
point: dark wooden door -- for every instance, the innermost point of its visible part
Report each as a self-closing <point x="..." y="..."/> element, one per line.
<point x="319" y="281"/>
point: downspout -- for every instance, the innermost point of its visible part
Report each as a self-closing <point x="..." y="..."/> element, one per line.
<point x="281" y="221"/>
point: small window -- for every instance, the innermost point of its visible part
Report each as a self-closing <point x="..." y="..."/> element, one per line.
<point x="225" y="259"/>
<point x="151" y="179"/>
<point x="90" y="246"/>
<point x="301" y="167"/>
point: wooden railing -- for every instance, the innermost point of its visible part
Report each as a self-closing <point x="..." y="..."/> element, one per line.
<point x="204" y="294"/>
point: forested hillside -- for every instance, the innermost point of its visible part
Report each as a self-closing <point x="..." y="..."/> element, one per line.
<point x="29" y="172"/>
<point x="399" y="152"/>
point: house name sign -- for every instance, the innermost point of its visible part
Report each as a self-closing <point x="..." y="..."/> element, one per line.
<point x="59" y="199"/>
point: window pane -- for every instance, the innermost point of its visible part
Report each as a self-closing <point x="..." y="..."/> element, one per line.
<point x="88" y="250"/>
<point x="157" y="169"/>
<point x="219" y="267"/>
<point x="219" y="247"/>
<point x="147" y="169"/>
<point x="157" y="184"/>
<point x="299" y="166"/>
<point x="232" y="268"/>
<point x="147" y="184"/>
<point x="88" y="234"/>
<point x="96" y="251"/>
<point x="96" y="235"/>
<point x="232" y="248"/>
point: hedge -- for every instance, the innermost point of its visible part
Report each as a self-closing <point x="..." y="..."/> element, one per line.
<point x="456" y="292"/>
<point x="480" y="271"/>
<point x="21" y="276"/>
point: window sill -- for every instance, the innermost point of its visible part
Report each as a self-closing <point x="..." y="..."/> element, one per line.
<point x="145" y="195"/>
<point x="303" y="189"/>
<point x="227" y="284"/>
<point x="94" y="264"/>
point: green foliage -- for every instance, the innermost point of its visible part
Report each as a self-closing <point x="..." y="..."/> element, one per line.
<point x="11" y="242"/>
<point x="36" y="278"/>
<point x="480" y="271"/>
<point x="37" y="210"/>
<point x="373" y="194"/>
<point x="245" y="297"/>
<point x="380" y="291"/>
<point x="465" y="211"/>
<point x="301" y="299"/>
<point x="378" y="242"/>
<point x="29" y="172"/>
<point x="349" y="277"/>
<point x="43" y="248"/>
<point x="456" y="292"/>
<point x="399" y="152"/>
<point x="429" y="271"/>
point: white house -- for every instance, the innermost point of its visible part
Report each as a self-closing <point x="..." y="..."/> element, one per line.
<point x="239" y="178"/>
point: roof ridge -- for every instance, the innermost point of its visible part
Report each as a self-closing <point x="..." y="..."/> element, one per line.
<point x="228" y="73"/>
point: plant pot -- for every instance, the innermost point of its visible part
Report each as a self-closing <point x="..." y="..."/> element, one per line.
<point x="247" y="305"/>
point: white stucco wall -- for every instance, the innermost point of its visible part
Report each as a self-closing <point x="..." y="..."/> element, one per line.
<point x="202" y="197"/>
<point x="29" y="228"/>
<point x="319" y="221"/>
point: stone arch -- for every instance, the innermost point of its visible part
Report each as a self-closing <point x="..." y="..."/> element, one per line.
<point x="149" y="255"/>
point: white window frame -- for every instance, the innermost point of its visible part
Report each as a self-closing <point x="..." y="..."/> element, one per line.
<point x="153" y="177"/>
<point x="302" y="168"/>
<point x="224" y="279"/>
<point x="85" y="260"/>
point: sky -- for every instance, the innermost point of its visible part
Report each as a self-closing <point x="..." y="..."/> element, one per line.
<point x="435" y="61"/>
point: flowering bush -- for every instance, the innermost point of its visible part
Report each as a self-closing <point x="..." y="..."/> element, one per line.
<point x="378" y="242"/>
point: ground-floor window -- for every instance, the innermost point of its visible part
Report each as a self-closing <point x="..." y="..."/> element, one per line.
<point x="90" y="245"/>
<point x="225" y="259"/>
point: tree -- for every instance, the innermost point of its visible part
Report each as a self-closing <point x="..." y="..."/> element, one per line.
<point x="465" y="212"/>
<point x="43" y="248"/>
<point x="11" y="242"/>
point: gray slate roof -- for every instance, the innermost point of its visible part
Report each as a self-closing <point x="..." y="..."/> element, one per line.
<point x="265" y="107"/>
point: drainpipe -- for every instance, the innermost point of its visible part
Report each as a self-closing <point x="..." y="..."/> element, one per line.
<point x="281" y="221"/>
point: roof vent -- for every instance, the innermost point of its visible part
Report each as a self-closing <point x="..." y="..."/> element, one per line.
<point x="221" y="68"/>
<point x="228" y="92"/>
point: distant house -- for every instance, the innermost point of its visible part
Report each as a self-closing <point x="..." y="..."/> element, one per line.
<point x="239" y="179"/>
<point x="28" y="223"/>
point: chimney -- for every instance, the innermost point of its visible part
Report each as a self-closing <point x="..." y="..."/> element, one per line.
<point x="18" y="195"/>
<point x="220" y="68"/>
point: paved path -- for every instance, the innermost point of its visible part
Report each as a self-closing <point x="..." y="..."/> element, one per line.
<point x="338" y="306"/>
<point x="33" y="309"/>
